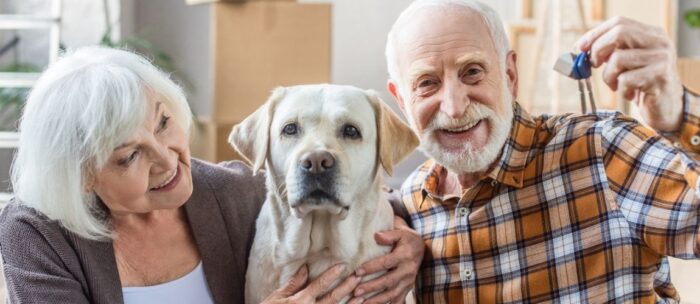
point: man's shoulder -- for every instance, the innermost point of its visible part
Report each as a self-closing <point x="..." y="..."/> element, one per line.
<point x="573" y="126"/>
<point x="560" y="122"/>
<point x="414" y="182"/>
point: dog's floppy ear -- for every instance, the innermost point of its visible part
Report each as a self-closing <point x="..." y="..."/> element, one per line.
<point x="395" y="139"/>
<point x="251" y="137"/>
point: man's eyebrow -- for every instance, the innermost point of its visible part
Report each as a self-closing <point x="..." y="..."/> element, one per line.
<point x="419" y="70"/>
<point x="471" y="57"/>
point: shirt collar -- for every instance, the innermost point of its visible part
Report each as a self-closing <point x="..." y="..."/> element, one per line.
<point x="509" y="169"/>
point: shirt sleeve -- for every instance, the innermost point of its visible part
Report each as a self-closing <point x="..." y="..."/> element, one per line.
<point x="655" y="185"/>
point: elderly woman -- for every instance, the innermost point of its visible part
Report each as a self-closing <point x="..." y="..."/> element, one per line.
<point x="110" y="207"/>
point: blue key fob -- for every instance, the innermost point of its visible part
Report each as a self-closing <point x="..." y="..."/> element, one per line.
<point x="582" y="67"/>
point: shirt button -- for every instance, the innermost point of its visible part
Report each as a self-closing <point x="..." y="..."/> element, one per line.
<point x="677" y="145"/>
<point x="695" y="140"/>
<point x="467" y="274"/>
<point x="462" y="211"/>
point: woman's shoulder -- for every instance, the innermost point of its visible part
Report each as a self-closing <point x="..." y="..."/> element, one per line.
<point x="229" y="175"/>
<point x="16" y="217"/>
<point x="24" y="230"/>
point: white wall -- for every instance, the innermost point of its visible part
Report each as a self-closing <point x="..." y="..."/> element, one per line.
<point x="182" y="31"/>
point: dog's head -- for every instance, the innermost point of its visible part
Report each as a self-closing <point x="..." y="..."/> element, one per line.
<point x="323" y="144"/>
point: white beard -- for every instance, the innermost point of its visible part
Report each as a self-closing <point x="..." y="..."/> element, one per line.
<point x="469" y="159"/>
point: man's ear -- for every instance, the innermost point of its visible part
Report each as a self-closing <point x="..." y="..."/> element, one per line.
<point x="395" y="139"/>
<point x="251" y="137"/>
<point x="394" y="90"/>
<point x="512" y="73"/>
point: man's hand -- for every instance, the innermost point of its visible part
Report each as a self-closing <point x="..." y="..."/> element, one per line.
<point x="318" y="291"/>
<point x="401" y="264"/>
<point x="641" y="61"/>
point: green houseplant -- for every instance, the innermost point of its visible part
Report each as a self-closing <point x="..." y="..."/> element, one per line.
<point x="12" y="99"/>
<point x="692" y="18"/>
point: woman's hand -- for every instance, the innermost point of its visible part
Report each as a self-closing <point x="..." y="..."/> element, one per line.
<point x="318" y="291"/>
<point x="401" y="264"/>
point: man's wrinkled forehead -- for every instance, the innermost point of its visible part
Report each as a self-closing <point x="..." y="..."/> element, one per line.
<point x="453" y="20"/>
<point x="461" y="31"/>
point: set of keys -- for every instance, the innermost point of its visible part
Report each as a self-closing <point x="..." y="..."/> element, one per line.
<point x="578" y="67"/>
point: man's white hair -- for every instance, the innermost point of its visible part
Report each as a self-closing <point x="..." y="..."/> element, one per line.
<point x="81" y="108"/>
<point x="491" y="19"/>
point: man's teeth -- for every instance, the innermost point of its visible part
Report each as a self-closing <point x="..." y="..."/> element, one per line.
<point x="165" y="182"/>
<point x="462" y="129"/>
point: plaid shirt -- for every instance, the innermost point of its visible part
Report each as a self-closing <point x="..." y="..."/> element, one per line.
<point x="580" y="208"/>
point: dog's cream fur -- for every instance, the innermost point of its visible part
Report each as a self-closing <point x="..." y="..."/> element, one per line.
<point x="292" y="230"/>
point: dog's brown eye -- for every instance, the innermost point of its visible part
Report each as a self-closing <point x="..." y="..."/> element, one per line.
<point x="350" y="131"/>
<point x="290" y="129"/>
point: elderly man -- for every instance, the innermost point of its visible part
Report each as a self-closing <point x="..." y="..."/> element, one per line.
<point x="566" y="208"/>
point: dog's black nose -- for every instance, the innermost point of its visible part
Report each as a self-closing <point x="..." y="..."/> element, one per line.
<point x="317" y="162"/>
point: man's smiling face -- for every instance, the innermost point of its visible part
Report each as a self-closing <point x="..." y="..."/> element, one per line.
<point x="453" y="90"/>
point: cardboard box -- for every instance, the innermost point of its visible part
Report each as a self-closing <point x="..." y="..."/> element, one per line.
<point x="209" y="141"/>
<point x="689" y="70"/>
<point x="260" y="45"/>
<point x="257" y="46"/>
<point x="194" y="2"/>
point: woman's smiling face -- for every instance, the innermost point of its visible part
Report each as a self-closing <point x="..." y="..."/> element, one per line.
<point x="149" y="171"/>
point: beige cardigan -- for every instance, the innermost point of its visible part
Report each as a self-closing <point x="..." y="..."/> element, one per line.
<point x="45" y="263"/>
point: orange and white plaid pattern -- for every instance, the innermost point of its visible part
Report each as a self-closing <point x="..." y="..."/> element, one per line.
<point x="580" y="208"/>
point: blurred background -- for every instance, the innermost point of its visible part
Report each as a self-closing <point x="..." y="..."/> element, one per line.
<point x="228" y="55"/>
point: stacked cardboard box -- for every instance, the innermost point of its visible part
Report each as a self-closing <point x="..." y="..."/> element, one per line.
<point x="258" y="46"/>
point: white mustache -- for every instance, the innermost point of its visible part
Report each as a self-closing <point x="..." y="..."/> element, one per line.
<point x="472" y="115"/>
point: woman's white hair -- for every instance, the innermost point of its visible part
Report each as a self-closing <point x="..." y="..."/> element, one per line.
<point x="491" y="19"/>
<point x="81" y="108"/>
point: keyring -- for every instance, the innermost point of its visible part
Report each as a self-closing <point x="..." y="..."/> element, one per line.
<point x="578" y="67"/>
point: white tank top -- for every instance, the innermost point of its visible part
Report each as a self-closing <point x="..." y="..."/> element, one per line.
<point x="191" y="288"/>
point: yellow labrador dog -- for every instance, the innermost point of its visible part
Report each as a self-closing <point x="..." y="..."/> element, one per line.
<point x="323" y="148"/>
